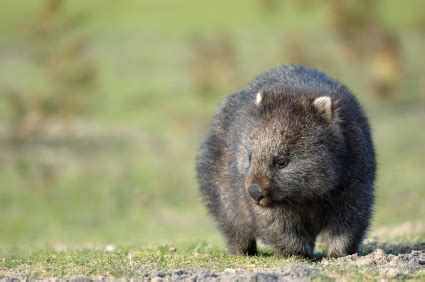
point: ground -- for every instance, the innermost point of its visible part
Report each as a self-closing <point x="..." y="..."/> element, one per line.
<point x="396" y="259"/>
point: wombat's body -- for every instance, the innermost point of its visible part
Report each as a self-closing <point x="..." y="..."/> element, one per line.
<point x="289" y="158"/>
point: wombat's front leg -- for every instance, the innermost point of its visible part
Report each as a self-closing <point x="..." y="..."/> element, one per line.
<point x="344" y="233"/>
<point x="240" y="241"/>
<point x="342" y="245"/>
<point x="239" y="236"/>
<point x="296" y="246"/>
<point x="241" y="246"/>
<point x="343" y="242"/>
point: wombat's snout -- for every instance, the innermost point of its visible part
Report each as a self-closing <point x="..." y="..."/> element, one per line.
<point x="258" y="189"/>
<point x="254" y="192"/>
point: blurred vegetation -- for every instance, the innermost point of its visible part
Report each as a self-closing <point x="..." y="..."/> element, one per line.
<point x="69" y="75"/>
<point x="214" y="66"/>
<point x="103" y="105"/>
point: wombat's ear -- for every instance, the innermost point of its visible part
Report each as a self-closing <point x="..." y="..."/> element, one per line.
<point x="324" y="106"/>
<point x="258" y="98"/>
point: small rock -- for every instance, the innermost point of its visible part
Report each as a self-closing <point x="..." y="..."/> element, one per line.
<point x="110" y="248"/>
<point x="230" y="270"/>
<point x="160" y="274"/>
<point x="180" y="272"/>
<point x="379" y="253"/>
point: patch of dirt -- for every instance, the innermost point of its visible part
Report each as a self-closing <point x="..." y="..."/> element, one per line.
<point x="413" y="261"/>
<point x="391" y="262"/>
<point x="292" y="272"/>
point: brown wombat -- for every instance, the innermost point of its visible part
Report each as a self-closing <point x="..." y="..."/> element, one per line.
<point x="289" y="158"/>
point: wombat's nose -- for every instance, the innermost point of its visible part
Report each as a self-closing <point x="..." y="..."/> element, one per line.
<point x="254" y="192"/>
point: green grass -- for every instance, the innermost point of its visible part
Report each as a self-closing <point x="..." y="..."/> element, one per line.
<point x="133" y="262"/>
<point x="128" y="262"/>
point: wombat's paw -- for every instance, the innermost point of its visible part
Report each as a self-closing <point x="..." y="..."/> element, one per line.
<point x="249" y="248"/>
<point x="342" y="245"/>
<point x="336" y="250"/>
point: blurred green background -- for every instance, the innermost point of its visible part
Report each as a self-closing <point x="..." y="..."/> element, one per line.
<point x="103" y="105"/>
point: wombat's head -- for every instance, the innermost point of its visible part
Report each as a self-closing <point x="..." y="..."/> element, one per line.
<point x="291" y="148"/>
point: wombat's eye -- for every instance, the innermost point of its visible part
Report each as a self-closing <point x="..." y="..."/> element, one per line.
<point x="281" y="163"/>
<point x="249" y="157"/>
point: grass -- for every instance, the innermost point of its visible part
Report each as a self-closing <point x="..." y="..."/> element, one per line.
<point x="136" y="262"/>
<point x="126" y="262"/>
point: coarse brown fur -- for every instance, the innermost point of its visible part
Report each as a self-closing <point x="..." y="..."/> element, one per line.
<point x="287" y="159"/>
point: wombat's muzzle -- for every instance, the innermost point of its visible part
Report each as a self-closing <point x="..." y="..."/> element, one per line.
<point x="254" y="191"/>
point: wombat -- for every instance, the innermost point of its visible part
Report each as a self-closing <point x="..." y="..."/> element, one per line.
<point x="289" y="158"/>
